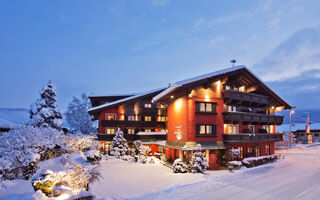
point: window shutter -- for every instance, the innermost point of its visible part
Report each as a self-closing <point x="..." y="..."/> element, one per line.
<point x="214" y="129"/>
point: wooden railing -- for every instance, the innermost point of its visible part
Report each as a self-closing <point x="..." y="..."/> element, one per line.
<point x="252" y="137"/>
<point x="252" y="118"/>
<point x="233" y="96"/>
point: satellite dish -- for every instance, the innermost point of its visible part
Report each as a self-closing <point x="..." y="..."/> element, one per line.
<point x="233" y="61"/>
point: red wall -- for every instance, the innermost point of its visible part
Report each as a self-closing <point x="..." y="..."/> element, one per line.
<point x="102" y="116"/>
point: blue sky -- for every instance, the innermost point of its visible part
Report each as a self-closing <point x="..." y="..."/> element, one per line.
<point x="124" y="46"/>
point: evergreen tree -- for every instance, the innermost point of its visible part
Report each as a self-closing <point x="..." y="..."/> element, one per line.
<point x="78" y="117"/>
<point x="119" y="144"/>
<point x="199" y="162"/>
<point x="45" y="112"/>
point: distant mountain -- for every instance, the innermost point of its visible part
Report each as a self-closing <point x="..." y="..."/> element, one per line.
<point x="13" y="116"/>
<point x="300" y="116"/>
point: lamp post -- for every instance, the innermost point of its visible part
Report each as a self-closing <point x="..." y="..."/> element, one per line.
<point x="290" y="134"/>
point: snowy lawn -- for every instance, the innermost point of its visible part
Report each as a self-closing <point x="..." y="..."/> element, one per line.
<point x="295" y="177"/>
<point x="123" y="180"/>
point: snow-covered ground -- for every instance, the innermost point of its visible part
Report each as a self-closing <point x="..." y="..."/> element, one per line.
<point x="294" y="177"/>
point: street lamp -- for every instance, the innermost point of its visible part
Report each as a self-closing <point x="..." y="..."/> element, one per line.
<point x="290" y="135"/>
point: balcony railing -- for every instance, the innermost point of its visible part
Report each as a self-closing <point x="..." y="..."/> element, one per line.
<point x="131" y="137"/>
<point x="252" y="118"/>
<point x="237" y="97"/>
<point x="120" y="123"/>
<point x="252" y="137"/>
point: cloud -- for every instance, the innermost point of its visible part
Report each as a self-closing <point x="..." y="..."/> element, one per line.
<point x="300" y="53"/>
<point x="273" y="22"/>
<point x="216" y="40"/>
<point x="257" y="9"/>
<point x="160" y="2"/>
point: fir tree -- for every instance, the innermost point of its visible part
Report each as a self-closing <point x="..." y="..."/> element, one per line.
<point x="45" y="112"/>
<point x="78" y="117"/>
<point x="119" y="144"/>
<point x="199" y="162"/>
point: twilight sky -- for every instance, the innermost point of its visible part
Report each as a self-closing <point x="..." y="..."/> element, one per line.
<point x="124" y="46"/>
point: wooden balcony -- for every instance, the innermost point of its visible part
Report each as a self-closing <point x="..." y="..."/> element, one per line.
<point x="119" y="123"/>
<point x="131" y="137"/>
<point x="252" y="137"/>
<point x="244" y="98"/>
<point x="252" y="118"/>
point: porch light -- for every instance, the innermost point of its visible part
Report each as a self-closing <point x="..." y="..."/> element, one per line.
<point x="179" y="137"/>
<point x="171" y="96"/>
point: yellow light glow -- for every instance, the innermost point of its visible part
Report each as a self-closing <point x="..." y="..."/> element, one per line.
<point x="179" y="137"/>
<point x="242" y="89"/>
<point x="172" y="97"/>
<point x="207" y="98"/>
<point x="272" y="107"/>
<point x="292" y="112"/>
<point x="178" y="104"/>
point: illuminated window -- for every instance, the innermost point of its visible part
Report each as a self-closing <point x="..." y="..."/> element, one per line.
<point x="242" y="89"/>
<point x="162" y="106"/>
<point x="257" y="150"/>
<point x="267" y="149"/>
<point x="111" y="116"/>
<point x="162" y="119"/>
<point x="163" y="130"/>
<point x="147" y="130"/>
<point x="206" y="107"/>
<point x="110" y="131"/>
<point x="232" y="109"/>
<point x="227" y="87"/>
<point x="131" y="131"/>
<point x="137" y="118"/>
<point x="131" y="118"/>
<point x="206" y="129"/>
<point x="147" y="118"/>
<point x="147" y="105"/>
<point x="233" y="128"/>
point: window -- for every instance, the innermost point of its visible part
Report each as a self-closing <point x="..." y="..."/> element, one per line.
<point x="131" y="131"/>
<point x="147" y="105"/>
<point x="206" y="129"/>
<point x="257" y="151"/>
<point x="111" y="116"/>
<point x="147" y="130"/>
<point x="267" y="149"/>
<point x="131" y="118"/>
<point x="206" y="107"/>
<point x="147" y="118"/>
<point x="162" y="119"/>
<point x="251" y="128"/>
<point x="268" y="128"/>
<point x="233" y="128"/>
<point x="316" y="134"/>
<point x="232" y="109"/>
<point x="110" y="131"/>
<point x="227" y="87"/>
<point x="163" y="130"/>
<point x="250" y="151"/>
<point x="241" y="152"/>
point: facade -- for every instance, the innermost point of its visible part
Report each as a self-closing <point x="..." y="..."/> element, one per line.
<point x="302" y="137"/>
<point x="227" y="109"/>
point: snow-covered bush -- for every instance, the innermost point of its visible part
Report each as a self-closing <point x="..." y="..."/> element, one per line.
<point x="80" y="142"/>
<point x="72" y="180"/>
<point x="260" y="160"/>
<point x="45" y="112"/>
<point x="179" y="166"/>
<point x="21" y="147"/>
<point x="93" y="156"/>
<point x="119" y="144"/>
<point x="78" y="117"/>
<point x="234" y="165"/>
<point x="199" y="162"/>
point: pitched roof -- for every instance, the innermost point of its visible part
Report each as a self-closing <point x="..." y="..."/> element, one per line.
<point x="194" y="79"/>
<point x="213" y="75"/>
<point x="123" y="101"/>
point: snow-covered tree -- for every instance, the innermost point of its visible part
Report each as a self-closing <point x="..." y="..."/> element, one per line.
<point x="119" y="144"/>
<point x="179" y="166"/>
<point x="45" y="112"/>
<point x="78" y="117"/>
<point x="21" y="147"/>
<point x="199" y="162"/>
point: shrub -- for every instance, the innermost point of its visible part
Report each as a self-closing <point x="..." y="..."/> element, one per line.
<point x="260" y="160"/>
<point x="179" y="166"/>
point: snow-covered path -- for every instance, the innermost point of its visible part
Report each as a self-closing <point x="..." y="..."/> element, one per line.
<point x="296" y="177"/>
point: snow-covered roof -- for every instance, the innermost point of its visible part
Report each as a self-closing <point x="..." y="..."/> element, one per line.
<point x="106" y="105"/>
<point x="6" y="124"/>
<point x="194" y="79"/>
<point x="152" y="133"/>
<point x="112" y="95"/>
<point x="179" y="84"/>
